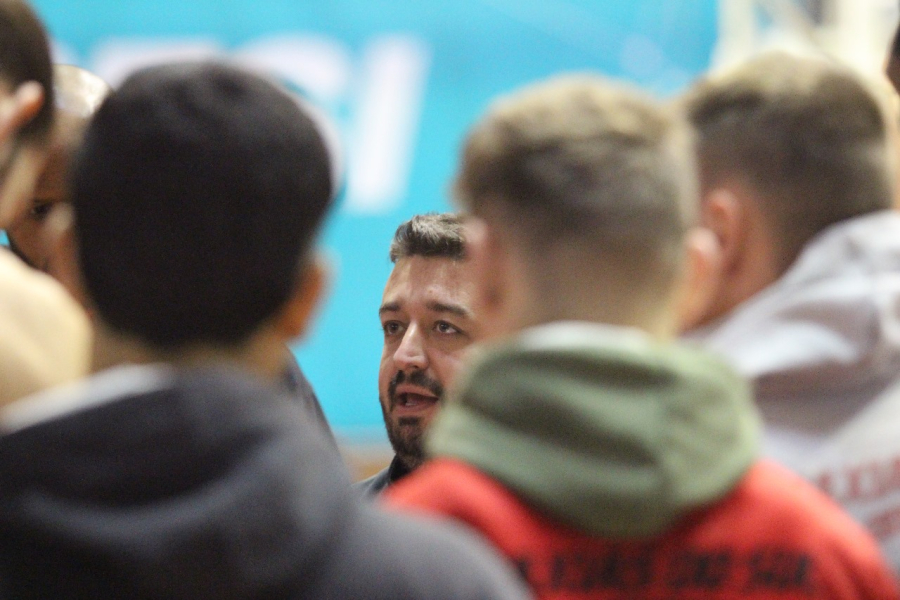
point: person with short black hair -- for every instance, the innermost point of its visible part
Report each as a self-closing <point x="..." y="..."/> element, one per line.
<point x="78" y="94"/>
<point x="599" y="455"/>
<point x="176" y="470"/>
<point x="428" y="324"/>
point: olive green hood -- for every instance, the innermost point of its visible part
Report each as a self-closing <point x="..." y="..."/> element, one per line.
<point x="602" y="428"/>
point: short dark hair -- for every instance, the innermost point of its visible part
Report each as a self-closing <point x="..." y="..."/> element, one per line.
<point x="807" y="135"/>
<point x="431" y="235"/>
<point x="198" y="193"/>
<point x="25" y="56"/>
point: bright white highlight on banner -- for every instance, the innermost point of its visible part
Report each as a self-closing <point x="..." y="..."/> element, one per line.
<point x="321" y="65"/>
<point x="856" y="32"/>
<point x="382" y="91"/>
<point x="115" y="59"/>
<point x="387" y="112"/>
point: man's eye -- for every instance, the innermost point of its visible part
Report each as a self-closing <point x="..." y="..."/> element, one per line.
<point x="446" y="328"/>
<point x="391" y="327"/>
<point x="40" y="210"/>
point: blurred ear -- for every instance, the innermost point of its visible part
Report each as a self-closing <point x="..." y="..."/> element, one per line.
<point x="489" y="261"/>
<point x="295" y="318"/>
<point x="702" y="277"/>
<point x="21" y="162"/>
<point x="19" y="108"/>
<point x="723" y="214"/>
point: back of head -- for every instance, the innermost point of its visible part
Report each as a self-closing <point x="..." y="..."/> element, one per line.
<point x="198" y="193"/>
<point x="807" y="136"/>
<point x="594" y="181"/>
<point x="25" y="56"/>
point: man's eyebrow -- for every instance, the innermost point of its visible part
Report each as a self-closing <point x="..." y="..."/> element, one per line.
<point x="389" y="307"/>
<point x="449" y="308"/>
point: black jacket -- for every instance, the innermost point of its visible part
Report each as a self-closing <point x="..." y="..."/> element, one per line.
<point x="372" y="487"/>
<point x="208" y="485"/>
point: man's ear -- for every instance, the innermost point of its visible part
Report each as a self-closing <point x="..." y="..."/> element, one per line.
<point x="702" y="277"/>
<point x="296" y="316"/>
<point x="723" y="214"/>
<point x="20" y="108"/>
<point x="489" y="264"/>
<point x="22" y="162"/>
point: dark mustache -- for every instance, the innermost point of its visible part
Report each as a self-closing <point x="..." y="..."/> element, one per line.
<point x="418" y="378"/>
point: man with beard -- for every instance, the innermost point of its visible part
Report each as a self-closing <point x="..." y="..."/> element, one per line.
<point x="428" y="324"/>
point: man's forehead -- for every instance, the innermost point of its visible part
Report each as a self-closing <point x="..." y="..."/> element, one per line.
<point x="429" y="282"/>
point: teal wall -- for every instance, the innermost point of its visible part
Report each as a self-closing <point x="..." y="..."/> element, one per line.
<point x="403" y="79"/>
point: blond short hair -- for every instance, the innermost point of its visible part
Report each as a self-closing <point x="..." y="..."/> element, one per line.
<point x="808" y="136"/>
<point x="582" y="162"/>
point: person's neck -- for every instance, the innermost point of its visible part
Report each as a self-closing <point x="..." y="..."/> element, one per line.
<point x="653" y="316"/>
<point x="263" y="354"/>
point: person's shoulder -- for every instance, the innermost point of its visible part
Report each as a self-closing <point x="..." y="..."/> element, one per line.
<point x="783" y="493"/>
<point x="408" y="556"/>
<point x="776" y="509"/>
<point x="373" y="486"/>
<point x="442" y="483"/>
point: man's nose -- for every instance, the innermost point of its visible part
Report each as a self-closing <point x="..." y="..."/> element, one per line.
<point x="410" y="354"/>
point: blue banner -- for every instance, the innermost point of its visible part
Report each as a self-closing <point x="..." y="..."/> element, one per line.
<point x="403" y="80"/>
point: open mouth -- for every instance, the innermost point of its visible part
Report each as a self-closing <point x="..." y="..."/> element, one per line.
<point x="411" y="400"/>
<point x="414" y="402"/>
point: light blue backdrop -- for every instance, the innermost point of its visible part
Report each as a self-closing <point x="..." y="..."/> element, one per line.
<point x="403" y="79"/>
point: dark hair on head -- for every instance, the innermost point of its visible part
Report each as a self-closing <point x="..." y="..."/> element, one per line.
<point x="198" y="193"/>
<point x="430" y="235"/>
<point x="25" y="56"/>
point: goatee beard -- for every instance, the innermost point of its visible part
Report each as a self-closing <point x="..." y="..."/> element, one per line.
<point x="408" y="433"/>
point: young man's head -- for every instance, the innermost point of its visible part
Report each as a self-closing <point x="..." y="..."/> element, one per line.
<point x="78" y="94"/>
<point x="787" y="147"/>
<point x="585" y="191"/>
<point x="26" y="104"/>
<point x="198" y="193"/>
<point x="428" y="322"/>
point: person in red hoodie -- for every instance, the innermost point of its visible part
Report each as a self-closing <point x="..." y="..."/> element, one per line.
<point x="602" y="457"/>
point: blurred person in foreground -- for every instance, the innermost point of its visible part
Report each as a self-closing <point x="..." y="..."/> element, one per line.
<point x="44" y="334"/>
<point x="892" y="66"/>
<point x="78" y="93"/>
<point x="428" y="324"/>
<point x="798" y="169"/>
<point x="26" y="105"/>
<point x="600" y="456"/>
<point x="176" y="471"/>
